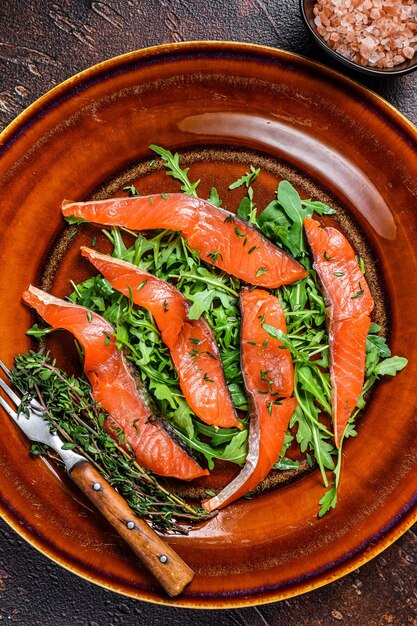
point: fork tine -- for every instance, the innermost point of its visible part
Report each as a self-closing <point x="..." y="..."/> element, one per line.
<point x="10" y="392"/>
<point x="33" y="401"/>
<point x="5" y="368"/>
<point x="8" y="408"/>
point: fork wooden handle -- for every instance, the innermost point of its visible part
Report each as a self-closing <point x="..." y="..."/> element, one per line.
<point x="169" y="569"/>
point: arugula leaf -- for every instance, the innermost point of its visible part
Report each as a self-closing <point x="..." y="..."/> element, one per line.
<point x="237" y="449"/>
<point x="238" y="396"/>
<point x="285" y="464"/>
<point x="391" y="366"/>
<point x="214" y="197"/>
<point x="277" y="333"/>
<point x="328" y="501"/>
<point x="244" y="209"/>
<point x="71" y="219"/>
<point x="38" y="333"/>
<point x="274" y="214"/>
<point x="183" y="417"/>
<point x="317" y="207"/>
<point x="372" y="359"/>
<point x="201" y="302"/>
<point x="309" y="382"/>
<point x="291" y="203"/>
<point x="172" y="162"/>
<point x="247" y="179"/>
<point x="374" y="328"/>
<point x="380" y="343"/>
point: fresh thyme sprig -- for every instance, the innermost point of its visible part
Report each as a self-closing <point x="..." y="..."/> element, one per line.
<point x="71" y="411"/>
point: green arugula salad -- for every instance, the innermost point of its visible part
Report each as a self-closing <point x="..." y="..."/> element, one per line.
<point x="215" y="295"/>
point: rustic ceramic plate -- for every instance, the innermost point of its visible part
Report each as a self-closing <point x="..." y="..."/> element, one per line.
<point x="222" y="105"/>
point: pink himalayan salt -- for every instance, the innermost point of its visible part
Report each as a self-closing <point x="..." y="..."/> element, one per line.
<point x="369" y="32"/>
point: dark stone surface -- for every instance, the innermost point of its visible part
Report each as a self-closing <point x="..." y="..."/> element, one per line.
<point x="42" y="42"/>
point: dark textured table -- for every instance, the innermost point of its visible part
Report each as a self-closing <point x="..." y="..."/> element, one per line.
<point x="43" y="42"/>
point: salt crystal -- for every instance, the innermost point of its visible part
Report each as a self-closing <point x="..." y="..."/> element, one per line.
<point x="380" y="33"/>
<point x="325" y="20"/>
<point x="373" y="58"/>
<point x="368" y="45"/>
<point x="408" y="52"/>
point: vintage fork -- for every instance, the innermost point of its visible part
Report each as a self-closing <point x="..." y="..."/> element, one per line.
<point x="170" y="570"/>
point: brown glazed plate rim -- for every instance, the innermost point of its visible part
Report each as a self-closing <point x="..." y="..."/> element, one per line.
<point x="406" y="515"/>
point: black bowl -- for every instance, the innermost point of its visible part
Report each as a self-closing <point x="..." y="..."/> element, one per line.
<point x="308" y="16"/>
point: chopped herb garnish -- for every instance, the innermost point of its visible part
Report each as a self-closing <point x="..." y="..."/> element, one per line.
<point x="206" y="378"/>
<point x="327" y="258"/>
<point x="229" y="219"/>
<point x="195" y="340"/>
<point x="165" y="306"/>
<point x="141" y="285"/>
<point x="253" y="249"/>
<point x="164" y="196"/>
<point x="195" y="352"/>
<point x="131" y="190"/>
<point x="265" y="379"/>
<point x="214" y="255"/>
<point x="359" y="293"/>
<point x="238" y="233"/>
<point x="210" y="354"/>
<point x="339" y="274"/>
<point x="89" y="316"/>
<point x="261" y="271"/>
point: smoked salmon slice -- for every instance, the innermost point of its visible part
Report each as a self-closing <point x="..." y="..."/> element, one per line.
<point x="115" y="389"/>
<point x="269" y="380"/>
<point x="349" y="304"/>
<point x="191" y="343"/>
<point x="221" y="238"/>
